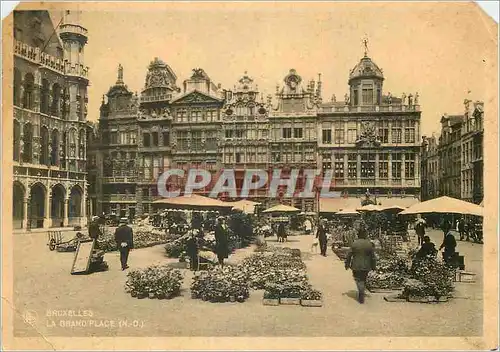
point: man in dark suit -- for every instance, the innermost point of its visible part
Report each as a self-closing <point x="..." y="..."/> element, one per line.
<point x="124" y="238"/>
<point x="321" y="236"/>
<point x="221" y="241"/>
<point x="361" y="259"/>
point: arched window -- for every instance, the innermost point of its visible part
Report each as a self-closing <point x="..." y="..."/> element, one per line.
<point x="56" y="97"/>
<point x="29" y="91"/>
<point x="28" y="144"/>
<point x="44" y="102"/>
<point x="81" y="147"/>
<point x="44" y="152"/>
<point x="54" y="157"/>
<point x="17" y="139"/>
<point x="17" y="87"/>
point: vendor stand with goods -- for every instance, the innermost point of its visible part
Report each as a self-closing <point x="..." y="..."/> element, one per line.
<point x="447" y="206"/>
<point x="280" y="218"/>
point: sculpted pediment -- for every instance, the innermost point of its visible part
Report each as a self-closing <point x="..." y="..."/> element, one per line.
<point x="196" y="97"/>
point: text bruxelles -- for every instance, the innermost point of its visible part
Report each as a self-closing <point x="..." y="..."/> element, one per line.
<point x="253" y="179"/>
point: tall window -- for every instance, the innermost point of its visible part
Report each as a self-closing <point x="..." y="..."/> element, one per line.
<point x="383" y="166"/>
<point x="28" y="140"/>
<point x="383" y="131"/>
<point x="229" y="133"/>
<point x="352" y="166"/>
<point x="17" y="139"/>
<point x="396" y="166"/>
<point x="396" y="131"/>
<point x="409" y="165"/>
<point x="56" y="97"/>
<point x="196" y="140"/>
<point x="195" y="116"/>
<point x="114" y="137"/>
<point x="352" y="135"/>
<point x="44" y="98"/>
<point x="339" y="167"/>
<point x="182" y="115"/>
<point x="239" y="157"/>
<point x="166" y="138"/>
<point x="211" y="140"/>
<point x="29" y="88"/>
<point x="44" y="152"/>
<point x="133" y="138"/>
<point x="240" y="133"/>
<point x="379" y="96"/>
<point x="297" y="133"/>
<point x="410" y="131"/>
<point x="368" y="94"/>
<point x="287" y="132"/>
<point x="355" y="97"/>
<point x="146" y="139"/>
<point x="155" y="139"/>
<point x="327" y="136"/>
<point x="17" y="87"/>
<point x="368" y="165"/>
<point x="339" y="135"/>
<point x="182" y="140"/>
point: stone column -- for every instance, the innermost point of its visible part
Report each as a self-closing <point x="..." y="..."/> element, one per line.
<point x="358" y="170"/>
<point x="65" y="216"/>
<point x="377" y="168"/>
<point x="24" y="222"/>
<point x="46" y="218"/>
<point x="83" y="218"/>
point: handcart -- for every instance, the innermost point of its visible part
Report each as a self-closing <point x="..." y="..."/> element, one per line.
<point x="55" y="241"/>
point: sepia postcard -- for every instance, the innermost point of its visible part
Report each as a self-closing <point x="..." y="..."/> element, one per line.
<point x="249" y="176"/>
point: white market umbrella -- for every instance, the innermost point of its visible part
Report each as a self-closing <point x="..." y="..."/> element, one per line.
<point x="370" y="207"/>
<point x="281" y="208"/>
<point x="445" y="205"/>
<point x="392" y="207"/>
<point x="347" y="212"/>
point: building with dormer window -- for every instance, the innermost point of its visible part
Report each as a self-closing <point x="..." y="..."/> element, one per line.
<point x="370" y="141"/>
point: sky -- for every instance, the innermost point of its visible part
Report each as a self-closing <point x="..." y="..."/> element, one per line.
<point x="446" y="52"/>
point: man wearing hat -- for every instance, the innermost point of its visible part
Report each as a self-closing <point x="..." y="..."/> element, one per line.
<point x="124" y="238"/>
<point x="221" y="240"/>
<point x="94" y="230"/>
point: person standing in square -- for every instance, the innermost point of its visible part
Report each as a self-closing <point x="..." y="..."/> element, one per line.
<point x="124" y="238"/>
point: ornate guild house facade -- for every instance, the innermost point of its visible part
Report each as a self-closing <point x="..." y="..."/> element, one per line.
<point x="50" y="111"/>
<point x="369" y="142"/>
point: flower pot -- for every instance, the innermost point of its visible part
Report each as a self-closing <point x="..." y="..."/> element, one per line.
<point x="141" y="295"/>
<point x="311" y="303"/>
<point x="133" y="294"/>
<point x="232" y="299"/>
<point x="160" y="296"/>
<point x="194" y="296"/>
<point x="271" y="301"/>
<point x="240" y="299"/>
<point x="151" y="295"/>
<point x="290" y="301"/>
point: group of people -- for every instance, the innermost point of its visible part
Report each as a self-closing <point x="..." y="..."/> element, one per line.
<point x="221" y="242"/>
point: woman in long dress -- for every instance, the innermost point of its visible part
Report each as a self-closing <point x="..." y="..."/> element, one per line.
<point x="221" y="241"/>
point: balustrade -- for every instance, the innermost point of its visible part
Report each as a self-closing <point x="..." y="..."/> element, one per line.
<point x="49" y="61"/>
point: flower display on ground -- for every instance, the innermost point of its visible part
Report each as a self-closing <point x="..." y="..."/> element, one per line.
<point x="143" y="237"/>
<point x="391" y="273"/>
<point x="158" y="281"/>
<point x="430" y="277"/>
<point x="311" y="294"/>
<point x="221" y="284"/>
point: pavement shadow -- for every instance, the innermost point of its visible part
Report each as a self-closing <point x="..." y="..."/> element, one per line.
<point x="354" y="294"/>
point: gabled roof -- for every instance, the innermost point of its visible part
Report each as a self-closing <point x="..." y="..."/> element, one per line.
<point x="195" y="96"/>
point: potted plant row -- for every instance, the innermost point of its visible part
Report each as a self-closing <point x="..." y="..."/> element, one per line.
<point x="154" y="282"/>
<point x="221" y="284"/>
<point x="311" y="298"/>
